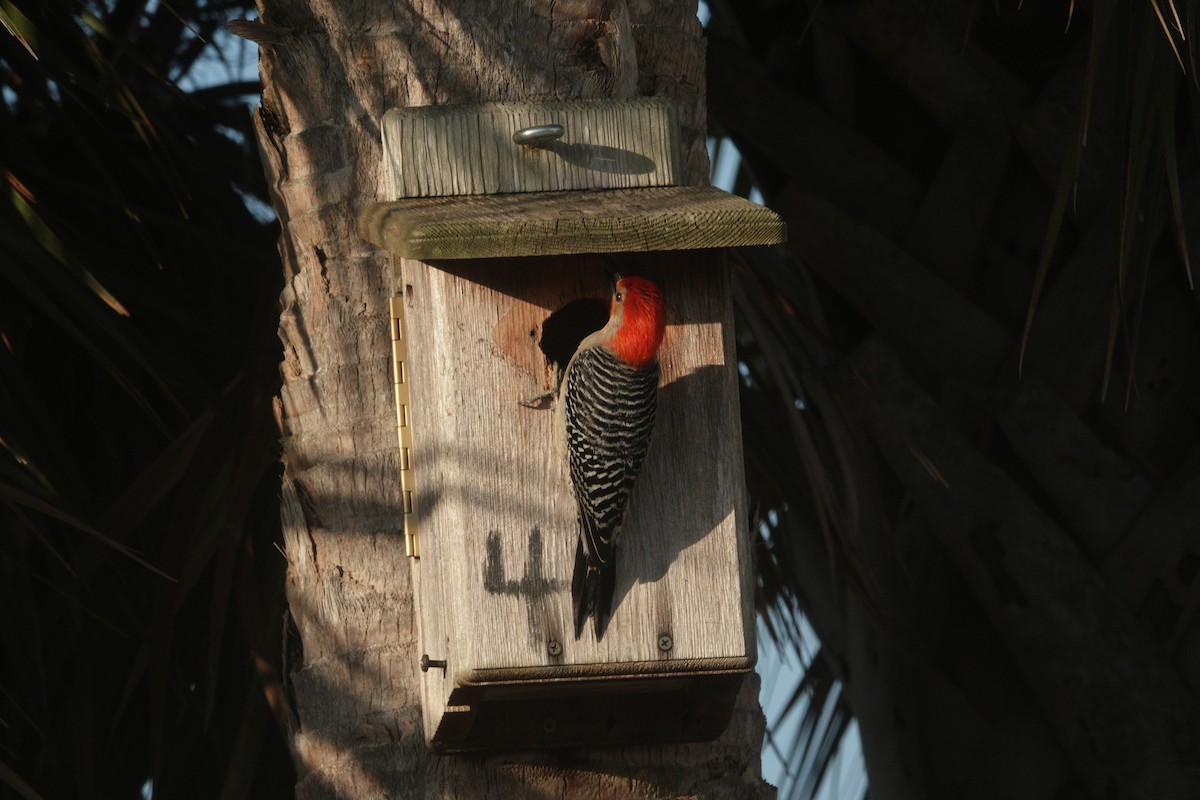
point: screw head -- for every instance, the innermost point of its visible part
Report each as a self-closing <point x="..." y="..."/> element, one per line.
<point x="665" y="643"/>
<point x="554" y="647"/>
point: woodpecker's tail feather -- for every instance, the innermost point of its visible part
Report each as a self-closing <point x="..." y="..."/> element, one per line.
<point x="592" y="588"/>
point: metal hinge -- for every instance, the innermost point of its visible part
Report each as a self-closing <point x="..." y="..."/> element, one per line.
<point x="404" y="425"/>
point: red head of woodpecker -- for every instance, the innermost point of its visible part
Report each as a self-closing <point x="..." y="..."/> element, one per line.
<point x="607" y="402"/>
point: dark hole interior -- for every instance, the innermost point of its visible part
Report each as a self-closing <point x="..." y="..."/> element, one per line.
<point x="566" y="328"/>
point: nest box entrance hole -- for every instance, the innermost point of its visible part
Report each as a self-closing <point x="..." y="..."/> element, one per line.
<point x="565" y="328"/>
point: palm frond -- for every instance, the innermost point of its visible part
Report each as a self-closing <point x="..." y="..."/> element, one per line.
<point x="1055" y="264"/>
<point x="137" y="359"/>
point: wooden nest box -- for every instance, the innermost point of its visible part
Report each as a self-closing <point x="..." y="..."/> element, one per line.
<point x="504" y="255"/>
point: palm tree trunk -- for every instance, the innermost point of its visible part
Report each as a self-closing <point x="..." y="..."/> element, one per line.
<point x="330" y="69"/>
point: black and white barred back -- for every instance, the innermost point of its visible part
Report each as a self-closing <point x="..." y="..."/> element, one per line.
<point x="609" y="416"/>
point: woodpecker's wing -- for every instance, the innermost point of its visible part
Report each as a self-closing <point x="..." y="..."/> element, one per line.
<point x="609" y="415"/>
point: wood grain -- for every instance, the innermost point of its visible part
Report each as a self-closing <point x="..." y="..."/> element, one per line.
<point x="497" y="520"/>
<point x="613" y="221"/>
<point x="466" y="149"/>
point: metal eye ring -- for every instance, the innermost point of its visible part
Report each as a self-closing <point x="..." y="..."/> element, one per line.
<point x="538" y="135"/>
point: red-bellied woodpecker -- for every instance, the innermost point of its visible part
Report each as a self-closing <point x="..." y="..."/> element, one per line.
<point x="606" y="406"/>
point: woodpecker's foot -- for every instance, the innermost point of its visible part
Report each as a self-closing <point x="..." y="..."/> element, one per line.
<point x="539" y="401"/>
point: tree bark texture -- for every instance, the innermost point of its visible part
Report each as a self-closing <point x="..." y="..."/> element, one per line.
<point x="330" y="69"/>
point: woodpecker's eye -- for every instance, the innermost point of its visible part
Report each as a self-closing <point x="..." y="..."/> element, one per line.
<point x="619" y="297"/>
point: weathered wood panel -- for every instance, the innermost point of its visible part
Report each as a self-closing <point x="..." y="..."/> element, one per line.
<point x="558" y="223"/>
<point x="496" y="517"/>
<point x="468" y="149"/>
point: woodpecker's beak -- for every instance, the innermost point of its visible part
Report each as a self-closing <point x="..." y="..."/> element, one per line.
<point x="613" y="280"/>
